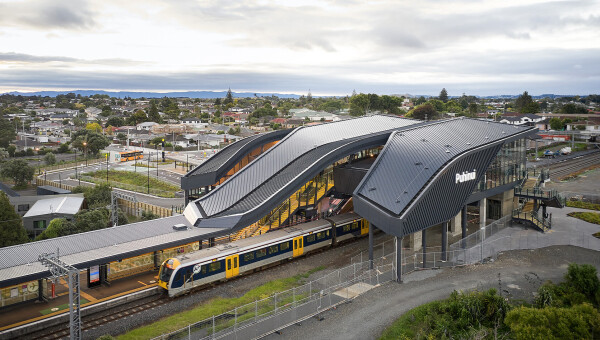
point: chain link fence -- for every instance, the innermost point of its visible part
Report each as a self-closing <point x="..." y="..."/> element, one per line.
<point x="583" y="197"/>
<point x="283" y="309"/>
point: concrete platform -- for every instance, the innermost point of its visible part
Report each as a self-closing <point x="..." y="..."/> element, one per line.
<point x="30" y="311"/>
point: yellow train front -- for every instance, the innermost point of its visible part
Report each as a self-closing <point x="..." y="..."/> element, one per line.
<point x="167" y="269"/>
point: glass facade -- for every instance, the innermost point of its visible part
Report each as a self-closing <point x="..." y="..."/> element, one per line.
<point x="508" y="166"/>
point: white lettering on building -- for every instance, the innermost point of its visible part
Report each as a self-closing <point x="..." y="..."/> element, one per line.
<point x="466" y="176"/>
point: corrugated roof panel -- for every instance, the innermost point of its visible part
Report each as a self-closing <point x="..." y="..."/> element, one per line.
<point x="290" y="148"/>
<point x="413" y="156"/>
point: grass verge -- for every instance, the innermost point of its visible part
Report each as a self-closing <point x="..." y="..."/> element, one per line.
<point x="216" y="306"/>
<point x="132" y="181"/>
<point x="583" y="205"/>
<point x="590" y="217"/>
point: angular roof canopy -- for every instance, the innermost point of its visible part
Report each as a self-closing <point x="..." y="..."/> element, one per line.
<point x="424" y="174"/>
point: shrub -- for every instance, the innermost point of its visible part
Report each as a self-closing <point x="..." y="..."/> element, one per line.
<point x="584" y="279"/>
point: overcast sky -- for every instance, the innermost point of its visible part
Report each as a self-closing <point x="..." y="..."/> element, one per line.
<point x="330" y="47"/>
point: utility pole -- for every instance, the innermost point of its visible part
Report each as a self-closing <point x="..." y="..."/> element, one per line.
<point x="114" y="204"/>
<point x="149" y="155"/>
<point x="59" y="269"/>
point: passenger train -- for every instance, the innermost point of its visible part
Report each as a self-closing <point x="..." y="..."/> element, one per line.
<point x="181" y="274"/>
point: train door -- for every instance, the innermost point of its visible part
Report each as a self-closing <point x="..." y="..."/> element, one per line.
<point x="232" y="266"/>
<point x="298" y="246"/>
<point x="364" y="227"/>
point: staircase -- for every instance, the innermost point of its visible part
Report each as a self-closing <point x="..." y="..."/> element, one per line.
<point x="526" y="214"/>
<point x="532" y="191"/>
<point x="304" y="197"/>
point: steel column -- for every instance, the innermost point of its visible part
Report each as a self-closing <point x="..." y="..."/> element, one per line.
<point x="424" y="246"/>
<point x="370" y="246"/>
<point x="444" y="240"/>
<point x="398" y="245"/>
<point x="463" y="224"/>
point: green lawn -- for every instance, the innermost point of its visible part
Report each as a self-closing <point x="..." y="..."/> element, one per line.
<point x="132" y="181"/>
<point x="217" y="306"/>
<point x="590" y="217"/>
<point x="583" y="205"/>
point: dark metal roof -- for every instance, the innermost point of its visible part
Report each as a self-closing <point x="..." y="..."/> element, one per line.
<point x="210" y="171"/>
<point x="20" y="263"/>
<point x="276" y="174"/>
<point x="413" y="159"/>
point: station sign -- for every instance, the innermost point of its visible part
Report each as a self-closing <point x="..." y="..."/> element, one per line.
<point x="466" y="176"/>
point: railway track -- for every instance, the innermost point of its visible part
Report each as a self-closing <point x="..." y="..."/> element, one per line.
<point x="564" y="168"/>
<point x="101" y="318"/>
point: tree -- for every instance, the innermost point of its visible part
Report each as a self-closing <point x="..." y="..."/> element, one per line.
<point x="95" y="127"/>
<point x="11" y="225"/>
<point x="424" y="112"/>
<point x="18" y="170"/>
<point x="106" y="111"/>
<point x="153" y="114"/>
<point x="94" y="141"/>
<point x="115" y="121"/>
<point x="7" y="132"/>
<point x="443" y="95"/>
<point x="473" y="109"/>
<point x="56" y="228"/>
<point x="228" y="98"/>
<point x="556" y="124"/>
<point x="63" y="148"/>
<point x="573" y="108"/>
<point x="532" y="107"/>
<point x="148" y="215"/>
<point x="522" y="101"/>
<point x="359" y="104"/>
<point x="97" y="196"/>
<point x="3" y="154"/>
<point x="137" y="117"/>
<point x="11" y="150"/>
<point x="50" y="158"/>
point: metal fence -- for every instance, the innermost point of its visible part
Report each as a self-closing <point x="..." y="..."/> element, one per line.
<point x="584" y="197"/>
<point x="283" y="309"/>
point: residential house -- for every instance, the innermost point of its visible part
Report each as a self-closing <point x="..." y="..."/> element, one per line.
<point x="146" y="126"/>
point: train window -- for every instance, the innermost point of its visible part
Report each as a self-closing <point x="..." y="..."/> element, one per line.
<point x="320" y="236"/>
<point x="273" y="249"/>
<point x="300" y="242"/>
<point x="228" y="264"/>
<point x="260" y="253"/>
<point x="355" y="226"/>
<point x="284" y="246"/>
<point x="204" y="269"/>
<point x="213" y="267"/>
<point x="248" y="257"/>
<point x="178" y="276"/>
<point x="346" y="228"/>
<point x="327" y="232"/>
<point x="295" y="244"/>
<point x="310" y="238"/>
<point x="235" y="262"/>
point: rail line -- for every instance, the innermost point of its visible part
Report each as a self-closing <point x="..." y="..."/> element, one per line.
<point x="562" y="169"/>
<point x="101" y="318"/>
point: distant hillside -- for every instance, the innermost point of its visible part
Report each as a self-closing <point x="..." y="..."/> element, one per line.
<point x="131" y="94"/>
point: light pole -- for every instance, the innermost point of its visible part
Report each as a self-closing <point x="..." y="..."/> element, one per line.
<point x="85" y="148"/>
<point x="37" y="150"/>
<point x="107" y="168"/>
<point x="149" y="155"/>
<point x="77" y="177"/>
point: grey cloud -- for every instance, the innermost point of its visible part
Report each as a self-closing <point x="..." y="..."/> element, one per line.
<point x="40" y="14"/>
<point x="35" y="59"/>
<point x="562" y="82"/>
<point x="28" y="58"/>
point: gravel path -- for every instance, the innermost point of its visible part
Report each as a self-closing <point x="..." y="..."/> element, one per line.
<point x="519" y="273"/>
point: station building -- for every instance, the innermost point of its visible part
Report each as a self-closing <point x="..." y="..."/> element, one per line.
<point x="404" y="176"/>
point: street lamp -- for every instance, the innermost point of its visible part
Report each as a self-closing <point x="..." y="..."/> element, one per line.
<point x="85" y="149"/>
<point x="37" y="150"/>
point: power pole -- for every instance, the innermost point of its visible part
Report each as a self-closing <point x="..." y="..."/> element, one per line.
<point x="59" y="269"/>
<point x="114" y="204"/>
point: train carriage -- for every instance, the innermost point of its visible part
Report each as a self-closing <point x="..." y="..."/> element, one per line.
<point x="224" y="261"/>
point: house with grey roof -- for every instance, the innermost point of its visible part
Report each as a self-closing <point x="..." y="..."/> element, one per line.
<point x="38" y="217"/>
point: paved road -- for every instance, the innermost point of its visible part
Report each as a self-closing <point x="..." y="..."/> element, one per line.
<point x="67" y="176"/>
<point x="519" y="272"/>
<point x="544" y="162"/>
